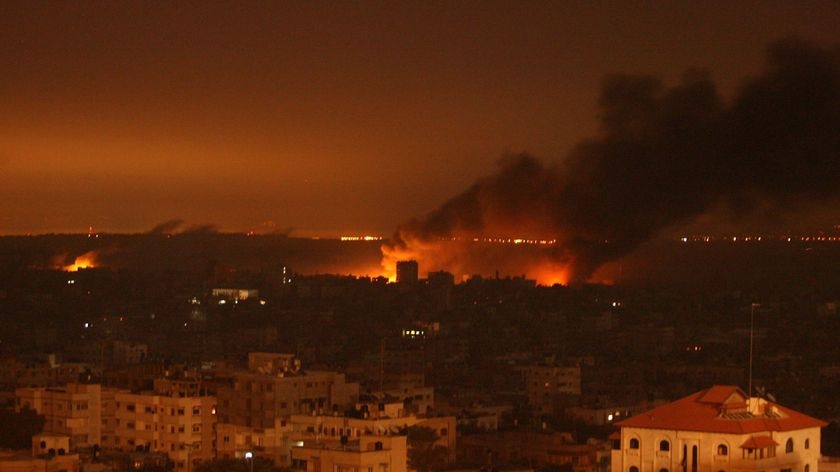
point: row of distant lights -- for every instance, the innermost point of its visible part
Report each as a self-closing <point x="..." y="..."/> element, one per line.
<point x="236" y="302"/>
<point x="706" y="239"/>
<point x="475" y="240"/>
<point x="196" y="301"/>
<point x="505" y="240"/>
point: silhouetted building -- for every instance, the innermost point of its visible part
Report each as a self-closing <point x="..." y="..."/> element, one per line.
<point x="407" y="272"/>
<point x="440" y="289"/>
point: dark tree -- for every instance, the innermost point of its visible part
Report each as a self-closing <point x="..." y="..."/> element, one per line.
<point x="18" y="428"/>
<point x="423" y="454"/>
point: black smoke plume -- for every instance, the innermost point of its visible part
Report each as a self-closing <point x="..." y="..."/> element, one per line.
<point x="663" y="156"/>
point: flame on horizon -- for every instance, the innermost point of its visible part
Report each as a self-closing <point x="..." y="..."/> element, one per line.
<point x="665" y="155"/>
<point x="465" y="255"/>
<point x="87" y="260"/>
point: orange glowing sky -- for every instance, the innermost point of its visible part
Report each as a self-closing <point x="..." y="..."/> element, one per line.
<point x="330" y="118"/>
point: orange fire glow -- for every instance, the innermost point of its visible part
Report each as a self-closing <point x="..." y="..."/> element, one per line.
<point x="550" y="274"/>
<point x="85" y="261"/>
<point x="464" y="256"/>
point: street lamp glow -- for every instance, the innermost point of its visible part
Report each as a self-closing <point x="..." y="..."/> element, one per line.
<point x="249" y="456"/>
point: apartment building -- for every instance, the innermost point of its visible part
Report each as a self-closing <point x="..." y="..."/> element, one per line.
<point x="183" y="427"/>
<point x="73" y="410"/>
<point x="275" y="386"/>
<point x="547" y="385"/>
<point x="274" y="444"/>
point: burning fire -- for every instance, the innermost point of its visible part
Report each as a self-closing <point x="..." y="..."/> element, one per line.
<point x="550" y="274"/>
<point x="468" y="255"/>
<point x="85" y="261"/>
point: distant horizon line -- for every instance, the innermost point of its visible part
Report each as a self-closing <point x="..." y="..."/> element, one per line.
<point x="830" y="235"/>
<point x="345" y="237"/>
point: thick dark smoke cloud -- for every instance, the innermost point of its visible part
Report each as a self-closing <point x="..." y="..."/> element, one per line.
<point x="663" y="156"/>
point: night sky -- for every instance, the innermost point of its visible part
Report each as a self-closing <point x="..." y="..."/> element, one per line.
<point x="326" y="117"/>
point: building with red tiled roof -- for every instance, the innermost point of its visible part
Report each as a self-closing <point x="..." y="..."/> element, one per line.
<point x="720" y="429"/>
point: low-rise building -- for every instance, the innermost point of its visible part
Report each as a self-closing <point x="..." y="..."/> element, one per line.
<point x="365" y="454"/>
<point x="21" y="461"/>
<point x="535" y="448"/>
<point x="718" y="429"/>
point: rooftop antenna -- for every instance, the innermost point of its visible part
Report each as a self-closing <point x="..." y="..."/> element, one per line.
<point x="753" y="306"/>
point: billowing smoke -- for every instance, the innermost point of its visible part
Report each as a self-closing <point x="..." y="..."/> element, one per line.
<point x="167" y="227"/>
<point x="663" y="156"/>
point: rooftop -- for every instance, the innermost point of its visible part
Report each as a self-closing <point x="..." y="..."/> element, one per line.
<point x="722" y="409"/>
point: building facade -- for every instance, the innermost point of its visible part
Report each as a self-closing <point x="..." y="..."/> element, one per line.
<point x="366" y="454"/>
<point x="183" y="427"/>
<point x="73" y="410"/>
<point x="720" y="429"/>
<point x="549" y="385"/>
<point x="277" y="387"/>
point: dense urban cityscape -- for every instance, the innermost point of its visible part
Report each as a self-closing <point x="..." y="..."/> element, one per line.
<point x="224" y="365"/>
<point x="419" y="236"/>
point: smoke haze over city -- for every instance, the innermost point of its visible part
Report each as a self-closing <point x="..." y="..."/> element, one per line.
<point x="664" y="155"/>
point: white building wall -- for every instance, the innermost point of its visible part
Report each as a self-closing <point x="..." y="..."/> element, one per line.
<point x="649" y="457"/>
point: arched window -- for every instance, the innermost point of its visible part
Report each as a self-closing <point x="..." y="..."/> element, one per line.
<point x="722" y="450"/>
<point x="634" y="469"/>
<point x="634" y="443"/>
<point x="807" y="467"/>
<point x="664" y="445"/>
<point x="789" y="445"/>
<point x="663" y="470"/>
<point x="807" y="444"/>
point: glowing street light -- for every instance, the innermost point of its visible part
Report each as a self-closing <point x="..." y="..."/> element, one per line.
<point x="250" y="457"/>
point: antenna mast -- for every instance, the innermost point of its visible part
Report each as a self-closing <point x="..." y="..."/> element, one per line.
<point x="752" y="323"/>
